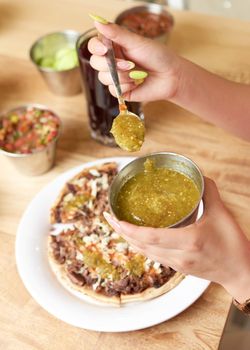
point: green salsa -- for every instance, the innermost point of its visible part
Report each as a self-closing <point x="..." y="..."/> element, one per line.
<point x="128" y="131"/>
<point x="156" y="197"/>
<point x="136" y="265"/>
<point x="95" y="260"/>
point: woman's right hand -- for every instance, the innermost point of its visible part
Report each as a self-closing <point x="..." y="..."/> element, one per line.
<point x="161" y="64"/>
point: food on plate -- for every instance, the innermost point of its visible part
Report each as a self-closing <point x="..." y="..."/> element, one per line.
<point x="27" y="130"/>
<point x="99" y="263"/>
<point x="150" y="25"/>
<point x="156" y="197"/>
<point x="128" y="131"/>
<point x="88" y="256"/>
<point x="85" y="196"/>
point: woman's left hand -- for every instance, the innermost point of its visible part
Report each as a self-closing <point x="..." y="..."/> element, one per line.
<point x="214" y="247"/>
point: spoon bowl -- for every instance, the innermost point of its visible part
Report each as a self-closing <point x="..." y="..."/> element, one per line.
<point x="128" y="129"/>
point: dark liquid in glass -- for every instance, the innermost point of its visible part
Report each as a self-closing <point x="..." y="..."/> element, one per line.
<point x="102" y="106"/>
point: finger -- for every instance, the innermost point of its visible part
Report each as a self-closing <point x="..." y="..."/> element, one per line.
<point x="124" y="88"/>
<point x="100" y="63"/>
<point x="96" y="47"/>
<point x="105" y="78"/>
<point x="175" y="238"/>
<point x="211" y="196"/>
<point x="154" y="249"/>
<point x="165" y="261"/>
<point x="120" y="35"/>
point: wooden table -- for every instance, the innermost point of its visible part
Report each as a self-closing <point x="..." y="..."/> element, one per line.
<point x="220" y="45"/>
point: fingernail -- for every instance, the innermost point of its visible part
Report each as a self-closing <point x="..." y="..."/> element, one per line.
<point x="100" y="49"/>
<point x="113" y="222"/>
<point x="138" y="81"/>
<point x="138" y="74"/>
<point x="125" y="65"/>
<point x="98" y="18"/>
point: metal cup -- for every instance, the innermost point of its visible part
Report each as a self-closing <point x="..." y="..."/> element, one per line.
<point x="152" y="9"/>
<point x="63" y="82"/>
<point x="40" y="161"/>
<point x="168" y="160"/>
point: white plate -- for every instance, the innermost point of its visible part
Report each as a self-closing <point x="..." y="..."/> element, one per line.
<point x="35" y="272"/>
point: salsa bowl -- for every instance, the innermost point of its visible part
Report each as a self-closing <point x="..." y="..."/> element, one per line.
<point x="174" y="162"/>
<point x="30" y="144"/>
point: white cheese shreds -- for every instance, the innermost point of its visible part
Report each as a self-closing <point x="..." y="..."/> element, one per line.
<point x="59" y="228"/>
<point x="147" y="264"/>
<point x="97" y="283"/>
<point x="156" y="265"/>
<point x="79" y="256"/>
<point x="68" y="197"/>
<point x="94" y="172"/>
<point x="103" y="181"/>
<point x="121" y="247"/>
<point x="90" y="205"/>
<point x="78" y="182"/>
<point x="114" y="235"/>
<point x="93" y="186"/>
<point x="157" y="268"/>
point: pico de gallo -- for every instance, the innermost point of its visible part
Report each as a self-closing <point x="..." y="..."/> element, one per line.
<point x="28" y="130"/>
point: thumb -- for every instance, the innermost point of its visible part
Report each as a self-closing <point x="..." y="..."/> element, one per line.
<point x="211" y="196"/>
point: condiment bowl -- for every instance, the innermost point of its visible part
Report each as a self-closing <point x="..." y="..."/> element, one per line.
<point x="169" y="160"/>
<point x="39" y="161"/>
<point x="64" y="82"/>
<point x="151" y="8"/>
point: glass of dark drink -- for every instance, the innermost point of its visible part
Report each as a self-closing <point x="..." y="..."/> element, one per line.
<point x="101" y="105"/>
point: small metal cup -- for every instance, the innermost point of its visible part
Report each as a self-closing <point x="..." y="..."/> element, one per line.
<point x="40" y="161"/>
<point x="64" y="82"/>
<point x="149" y="8"/>
<point x="168" y="160"/>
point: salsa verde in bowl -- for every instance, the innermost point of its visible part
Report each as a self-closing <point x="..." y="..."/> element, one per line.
<point x="158" y="190"/>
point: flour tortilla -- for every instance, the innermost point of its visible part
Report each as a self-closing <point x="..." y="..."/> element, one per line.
<point x="151" y="293"/>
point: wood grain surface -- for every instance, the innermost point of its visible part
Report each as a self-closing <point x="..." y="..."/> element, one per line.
<point x="220" y="45"/>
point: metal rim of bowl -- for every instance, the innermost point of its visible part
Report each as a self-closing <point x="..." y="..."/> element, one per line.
<point x="40" y="107"/>
<point x="171" y="154"/>
<point x="150" y="8"/>
<point x="66" y="32"/>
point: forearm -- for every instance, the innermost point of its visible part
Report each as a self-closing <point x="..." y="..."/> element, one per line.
<point x="217" y="100"/>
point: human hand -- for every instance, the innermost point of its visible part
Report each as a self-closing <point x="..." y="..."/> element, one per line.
<point x="161" y="64"/>
<point x="214" y="247"/>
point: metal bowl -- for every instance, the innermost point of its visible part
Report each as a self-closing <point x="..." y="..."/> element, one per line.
<point x="168" y="160"/>
<point x="63" y="82"/>
<point x="37" y="162"/>
<point x="149" y="8"/>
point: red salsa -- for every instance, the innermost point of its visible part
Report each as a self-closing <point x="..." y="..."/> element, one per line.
<point x="150" y="25"/>
<point x="28" y="130"/>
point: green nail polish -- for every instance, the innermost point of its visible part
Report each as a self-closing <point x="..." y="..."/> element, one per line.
<point x="138" y="74"/>
<point x="98" y="18"/>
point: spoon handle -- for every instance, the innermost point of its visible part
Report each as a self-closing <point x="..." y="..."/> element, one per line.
<point x="110" y="57"/>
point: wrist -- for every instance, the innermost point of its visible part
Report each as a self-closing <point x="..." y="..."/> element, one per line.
<point x="239" y="284"/>
<point x="184" y="75"/>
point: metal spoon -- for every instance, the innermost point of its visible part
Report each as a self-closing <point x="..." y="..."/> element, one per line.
<point x="127" y="129"/>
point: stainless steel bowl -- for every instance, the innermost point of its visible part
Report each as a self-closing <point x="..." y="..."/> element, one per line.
<point x="40" y="161"/>
<point x="63" y="82"/>
<point x="168" y="160"/>
<point x="149" y="8"/>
